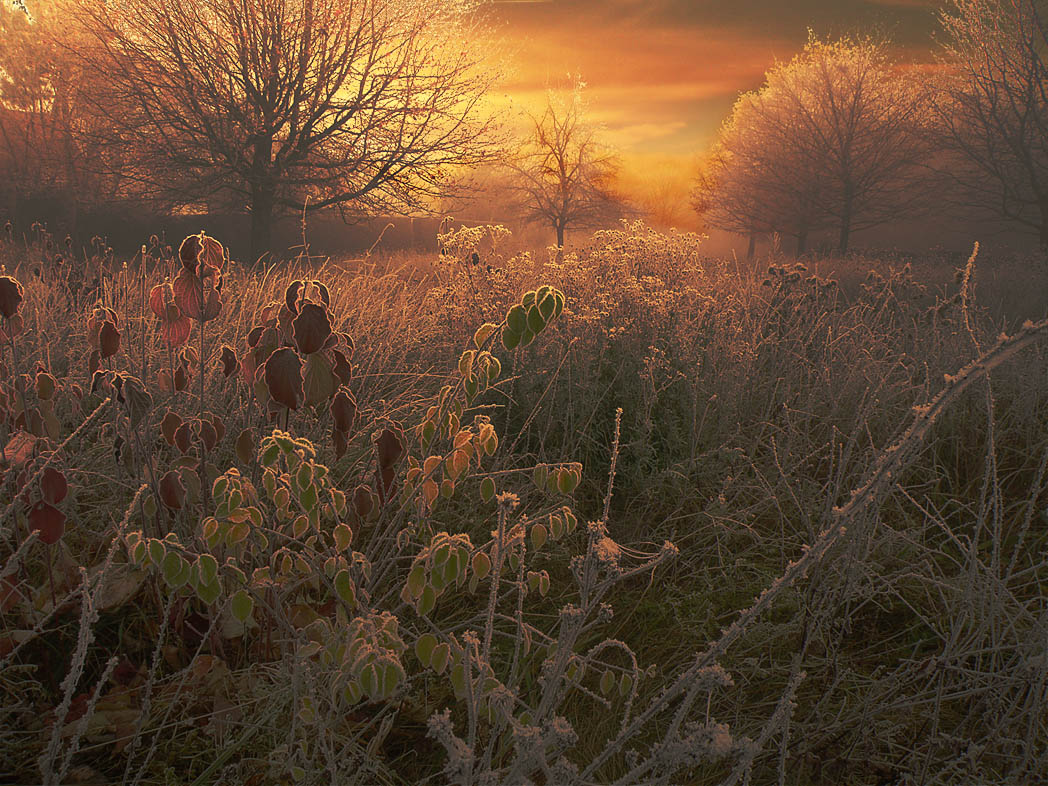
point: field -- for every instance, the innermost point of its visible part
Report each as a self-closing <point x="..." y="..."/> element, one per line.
<point x="631" y="514"/>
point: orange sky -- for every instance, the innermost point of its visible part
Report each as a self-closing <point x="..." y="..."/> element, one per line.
<point x="662" y="74"/>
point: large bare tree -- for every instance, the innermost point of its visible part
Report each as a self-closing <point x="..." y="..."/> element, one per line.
<point x="278" y="105"/>
<point x="837" y="133"/>
<point x="564" y="172"/>
<point x="994" y="106"/>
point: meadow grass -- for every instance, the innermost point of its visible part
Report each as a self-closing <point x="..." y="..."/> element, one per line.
<point x="831" y="610"/>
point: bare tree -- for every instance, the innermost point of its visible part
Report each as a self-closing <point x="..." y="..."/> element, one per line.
<point x="993" y="109"/>
<point x="834" y="134"/>
<point x="564" y="172"/>
<point x="759" y="178"/>
<point x="292" y="104"/>
<point x="40" y="117"/>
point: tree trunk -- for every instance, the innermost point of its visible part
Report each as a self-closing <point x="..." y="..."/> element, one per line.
<point x="802" y="242"/>
<point x="846" y="222"/>
<point x="1044" y="226"/>
<point x="261" y="222"/>
<point x="560" y="235"/>
<point x="751" y="250"/>
<point x="262" y="194"/>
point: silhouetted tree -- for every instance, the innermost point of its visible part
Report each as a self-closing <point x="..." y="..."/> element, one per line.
<point x="40" y="111"/>
<point x="564" y="172"/>
<point x="993" y="110"/>
<point x="292" y="104"/>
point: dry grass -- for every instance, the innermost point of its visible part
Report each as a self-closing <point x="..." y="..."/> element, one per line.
<point x="907" y="647"/>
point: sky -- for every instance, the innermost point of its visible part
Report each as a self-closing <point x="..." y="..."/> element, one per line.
<point x="662" y="75"/>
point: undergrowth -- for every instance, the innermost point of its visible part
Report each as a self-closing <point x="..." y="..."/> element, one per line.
<point x="625" y="515"/>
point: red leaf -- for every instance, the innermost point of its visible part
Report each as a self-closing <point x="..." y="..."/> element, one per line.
<point x="283" y="373"/>
<point x="169" y="425"/>
<point x="49" y="520"/>
<point x="344" y="410"/>
<point x="11" y="294"/>
<point x="229" y="361"/>
<point x="312" y="328"/>
<point x="172" y="491"/>
<point x="53" y="485"/>
<point x="108" y="339"/>
<point x="389" y="446"/>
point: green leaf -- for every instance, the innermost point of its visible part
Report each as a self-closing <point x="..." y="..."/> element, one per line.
<point x="487" y="489"/>
<point x="427" y="600"/>
<point x="439" y="657"/>
<point x="481" y="564"/>
<point x="510" y="339"/>
<point x="345" y="589"/>
<point x="416" y="580"/>
<point x="535" y="321"/>
<point x="538" y="536"/>
<point x="484" y="333"/>
<point x="209" y="592"/>
<point x="424" y="646"/>
<point x="242" y="604"/>
<point x="625" y="685"/>
<point x="172" y="570"/>
<point x="207" y="567"/>
<point x="607" y="682"/>
<point x="318" y="379"/>
<point x="516" y="320"/>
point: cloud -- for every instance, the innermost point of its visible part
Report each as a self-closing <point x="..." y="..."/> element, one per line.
<point x="662" y="74"/>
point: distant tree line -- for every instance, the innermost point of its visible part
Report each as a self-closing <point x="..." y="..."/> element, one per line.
<point x="267" y="107"/>
<point x="843" y="138"/>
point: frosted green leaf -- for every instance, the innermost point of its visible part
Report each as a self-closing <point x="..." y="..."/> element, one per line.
<point x="424" y="648"/>
<point x="427" y="600"/>
<point x="344" y="587"/>
<point x="481" y="564"/>
<point x="487" y="489"/>
<point x="241" y="604"/>
<point x="416" y="581"/>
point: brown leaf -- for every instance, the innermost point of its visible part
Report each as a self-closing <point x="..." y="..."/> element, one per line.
<point x="160" y="297"/>
<point x="184" y="437"/>
<point x="283" y="374"/>
<point x="312" y="328"/>
<point x="11" y="294"/>
<point x="389" y="446"/>
<point x="108" y="339"/>
<point x="20" y="448"/>
<point x="245" y="446"/>
<point x="208" y="435"/>
<point x="343" y="368"/>
<point x="53" y="485"/>
<point x="172" y="490"/>
<point x="291" y="295"/>
<point x="169" y="425"/>
<point x="220" y="427"/>
<point x="49" y="520"/>
<point x="229" y="361"/>
<point x="344" y="410"/>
